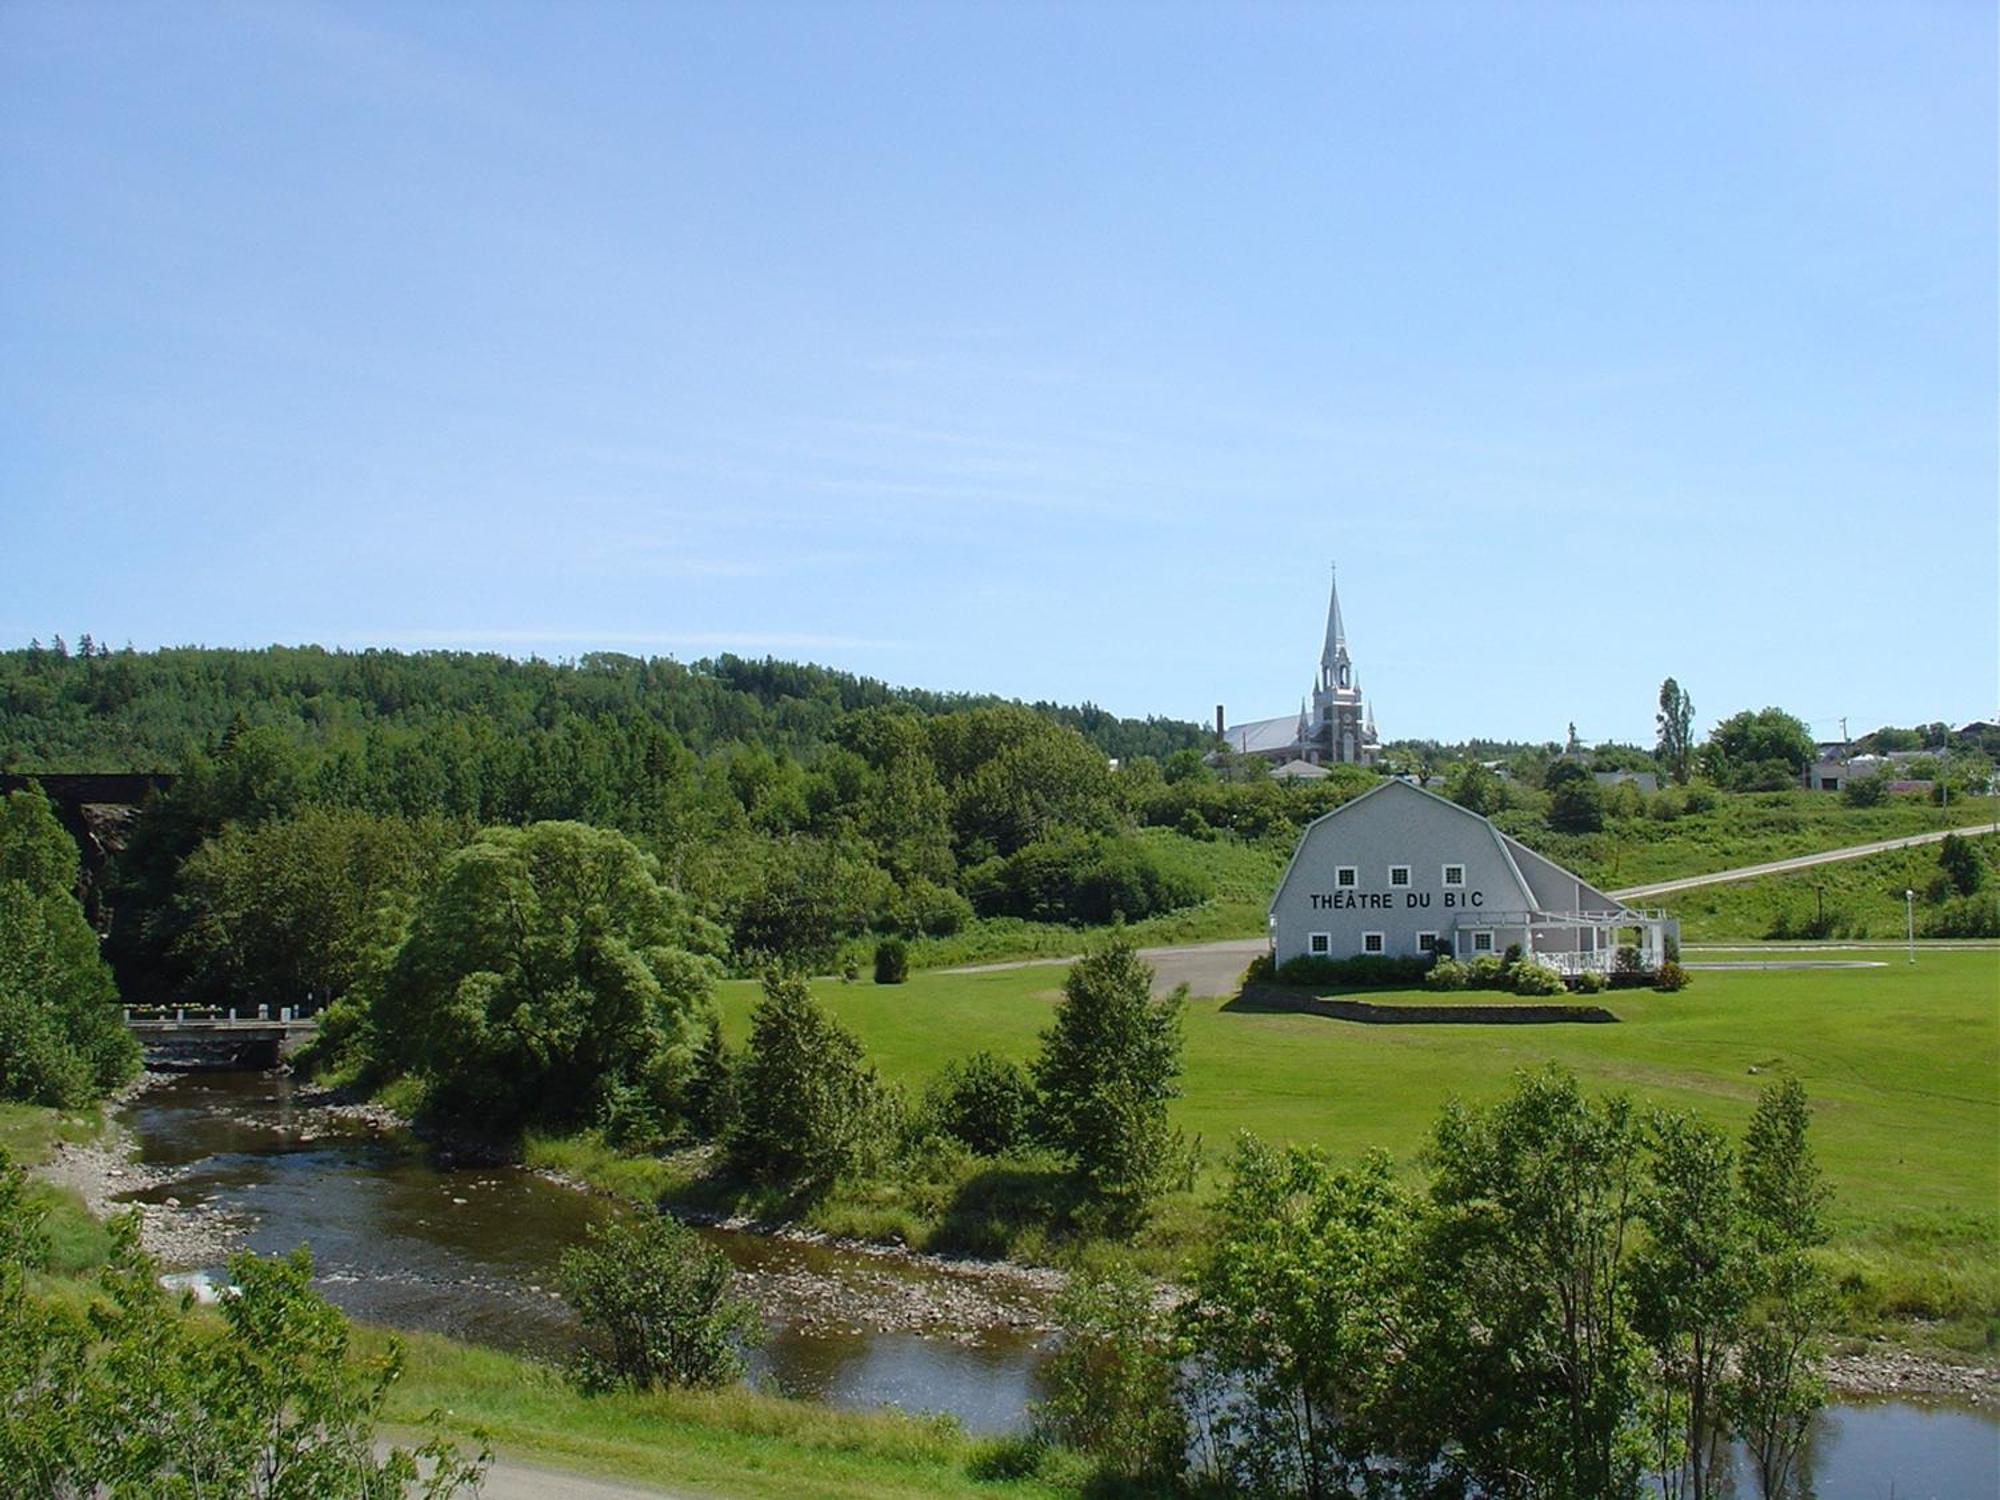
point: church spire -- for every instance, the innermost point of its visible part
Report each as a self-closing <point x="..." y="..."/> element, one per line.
<point x="1336" y="632"/>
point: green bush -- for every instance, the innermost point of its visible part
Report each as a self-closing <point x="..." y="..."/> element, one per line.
<point x="655" y="1303"/>
<point x="892" y="961"/>
<point x="1486" y="973"/>
<point x="1591" y="982"/>
<point x="1531" y="978"/>
<point x="984" y="1101"/>
<point x="1364" y="971"/>
<point x="1964" y="917"/>
<point x="1447" y="974"/>
<point x="1083" y="878"/>
<point x="1628" y="969"/>
<point x="1670" y="976"/>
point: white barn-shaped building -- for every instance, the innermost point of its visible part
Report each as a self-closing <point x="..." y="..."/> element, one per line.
<point x="1402" y="872"/>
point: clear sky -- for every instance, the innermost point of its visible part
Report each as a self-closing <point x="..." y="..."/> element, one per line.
<point x="1052" y="351"/>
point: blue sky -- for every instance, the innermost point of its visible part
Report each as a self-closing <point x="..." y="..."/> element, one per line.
<point x="1046" y="350"/>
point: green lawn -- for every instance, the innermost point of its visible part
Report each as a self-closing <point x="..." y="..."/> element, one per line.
<point x="1902" y="1065"/>
<point x="734" y="1442"/>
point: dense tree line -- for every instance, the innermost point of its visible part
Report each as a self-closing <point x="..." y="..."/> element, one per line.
<point x="436" y="713"/>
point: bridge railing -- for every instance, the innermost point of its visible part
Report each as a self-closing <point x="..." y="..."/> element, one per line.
<point x="248" y="1014"/>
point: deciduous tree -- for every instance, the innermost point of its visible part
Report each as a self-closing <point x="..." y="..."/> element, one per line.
<point x="1676" y="725"/>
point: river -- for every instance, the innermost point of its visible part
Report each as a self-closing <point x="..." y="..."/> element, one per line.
<point x="470" y="1251"/>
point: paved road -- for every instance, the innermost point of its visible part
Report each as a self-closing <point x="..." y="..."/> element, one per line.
<point x="1205" y="968"/>
<point x="1780" y="866"/>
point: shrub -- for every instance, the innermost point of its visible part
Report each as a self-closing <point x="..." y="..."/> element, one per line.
<point x="892" y="961"/>
<point x="710" y="1101"/>
<point x="809" y="1108"/>
<point x="1964" y="917"/>
<point x="984" y="1101"/>
<point x="1364" y="971"/>
<point x="1865" y="791"/>
<point x="1627" y="968"/>
<point x="1531" y="978"/>
<point x="1111" y="1383"/>
<point x="1486" y="973"/>
<point x="655" y="1303"/>
<point x="1959" y="860"/>
<point x="1447" y="974"/>
<point x="1261" y="971"/>
<point x="1083" y="878"/>
<point x="1670" y="976"/>
<point x="1591" y="982"/>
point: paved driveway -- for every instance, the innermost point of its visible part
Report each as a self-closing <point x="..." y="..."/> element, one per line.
<point x="1205" y="968"/>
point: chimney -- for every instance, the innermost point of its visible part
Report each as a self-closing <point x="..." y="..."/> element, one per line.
<point x="1218" y="721"/>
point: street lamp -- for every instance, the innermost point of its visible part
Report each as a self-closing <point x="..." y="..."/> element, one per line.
<point x="1910" y="920"/>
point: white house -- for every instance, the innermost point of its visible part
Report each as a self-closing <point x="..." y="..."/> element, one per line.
<point x="1400" y="871"/>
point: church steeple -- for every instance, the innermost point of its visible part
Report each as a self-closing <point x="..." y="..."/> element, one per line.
<point x="1335" y="668"/>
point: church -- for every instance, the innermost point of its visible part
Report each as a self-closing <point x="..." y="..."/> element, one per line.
<point x="1339" y="729"/>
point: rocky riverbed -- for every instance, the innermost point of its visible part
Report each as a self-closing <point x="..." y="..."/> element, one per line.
<point x="813" y="1284"/>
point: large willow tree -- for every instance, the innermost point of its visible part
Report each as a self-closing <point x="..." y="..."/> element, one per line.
<point x="548" y="977"/>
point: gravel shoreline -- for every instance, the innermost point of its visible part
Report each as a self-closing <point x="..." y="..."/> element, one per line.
<point x="103" y="1173"/>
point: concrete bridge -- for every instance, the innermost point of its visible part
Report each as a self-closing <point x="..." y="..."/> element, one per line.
<point x="202" y="1036"/>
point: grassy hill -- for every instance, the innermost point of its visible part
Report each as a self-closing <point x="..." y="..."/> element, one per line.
<point x="1854" y="899"/>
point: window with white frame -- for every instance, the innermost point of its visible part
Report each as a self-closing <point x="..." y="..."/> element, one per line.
<point x="1319" y="944"/>
<point x="1427" y="942"/>
<point x="1374" y="942"/>
<point x="1346" y="877"/>
<point x="1454" y="875"/>
<point x="1399" y="875"/>
<point x="1482" y="942"/>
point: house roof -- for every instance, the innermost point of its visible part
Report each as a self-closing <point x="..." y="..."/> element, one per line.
<point x="1300" y="770"/>
<point x="1543" y="882"/>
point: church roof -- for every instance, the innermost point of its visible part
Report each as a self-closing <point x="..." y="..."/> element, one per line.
<point x="1262" y="736"/>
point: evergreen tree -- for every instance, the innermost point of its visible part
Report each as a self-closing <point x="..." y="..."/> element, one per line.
<point x="1106" y="1071"/>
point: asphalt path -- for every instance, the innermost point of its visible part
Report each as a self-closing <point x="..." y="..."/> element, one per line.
<point x="1781" y="866"/>
<point x="1205" y="968"/>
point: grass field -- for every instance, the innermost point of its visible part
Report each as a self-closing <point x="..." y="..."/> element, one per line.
<point x="1902" y="1065"/>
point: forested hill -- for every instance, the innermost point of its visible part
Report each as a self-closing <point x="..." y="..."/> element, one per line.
<point x="93" y="709"/>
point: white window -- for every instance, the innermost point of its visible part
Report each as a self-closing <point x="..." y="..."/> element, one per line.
<point x="1427" y="942"/>
<point x="1345" y="877"/>
<point x="1482" y="942"/>
<point x="1454" y="874"/>
<point x="1319" y="944"/>
<point x="1399" y="874"/>
<point x="1373" y="942"/>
